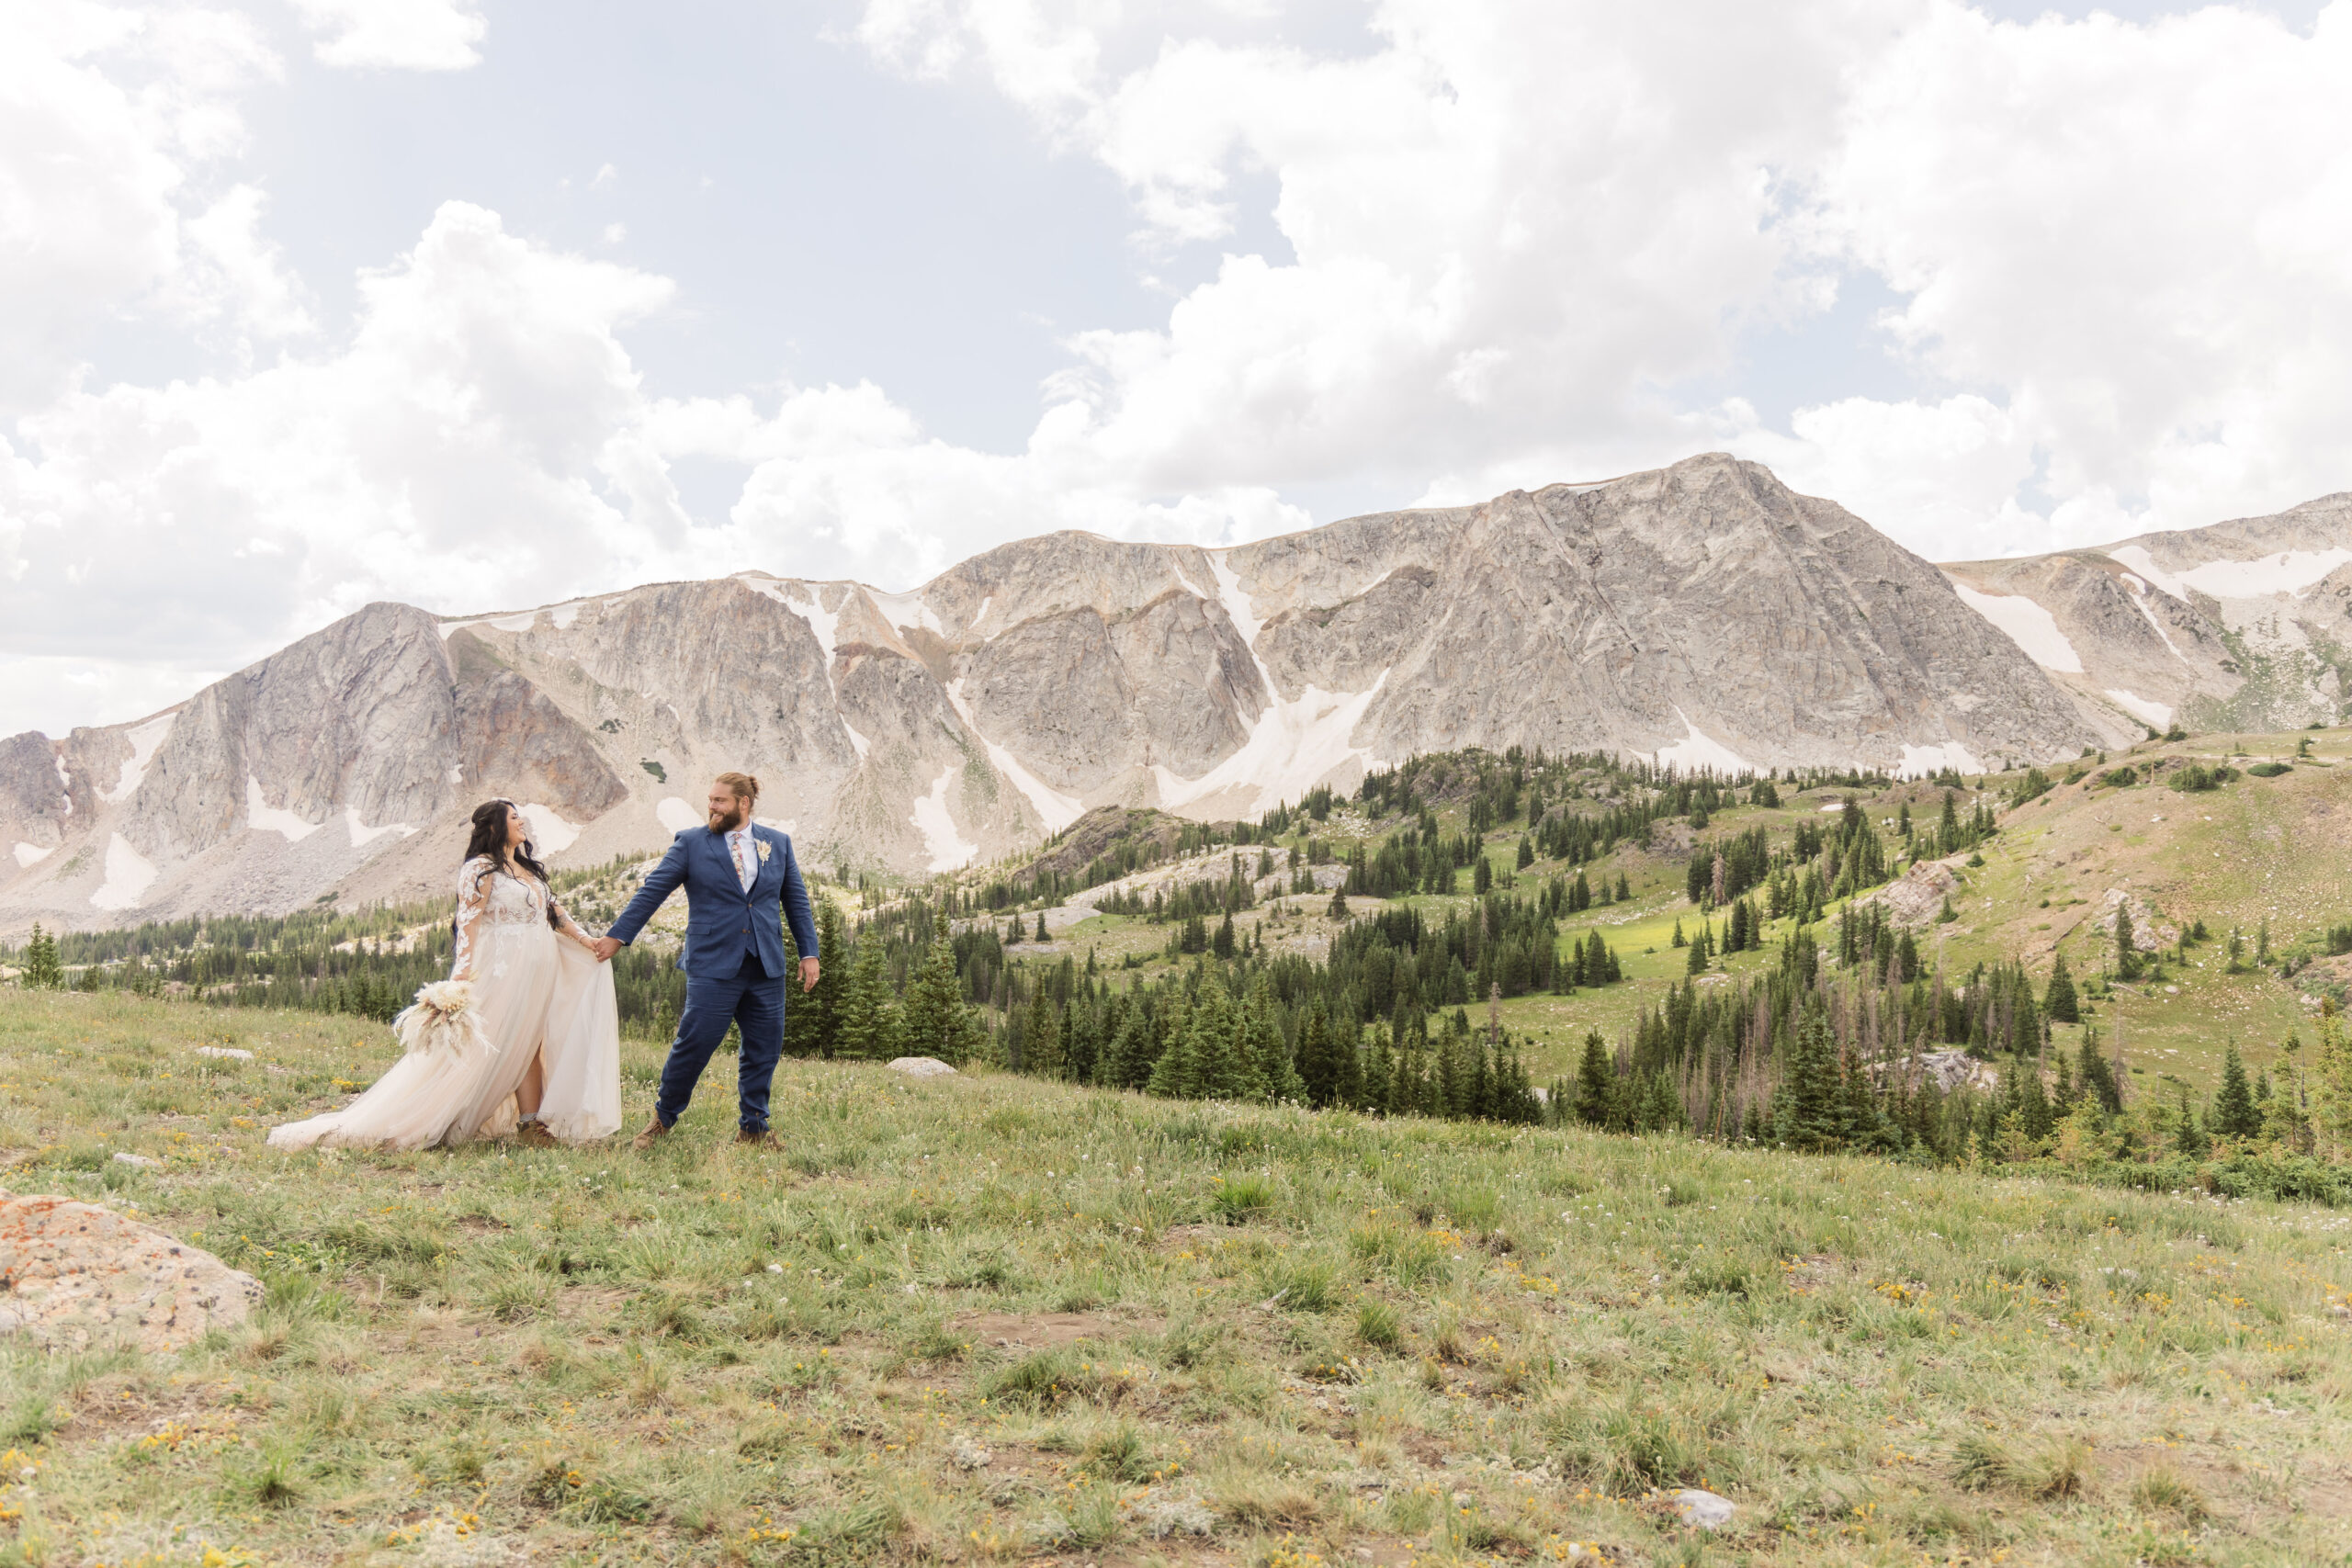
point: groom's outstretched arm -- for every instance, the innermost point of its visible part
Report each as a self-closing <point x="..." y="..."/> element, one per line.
<point x="658" y="885"/>
<point x="796" y="905"/>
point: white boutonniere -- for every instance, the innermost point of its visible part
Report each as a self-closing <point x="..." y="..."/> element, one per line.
<point x="764" y="848"/>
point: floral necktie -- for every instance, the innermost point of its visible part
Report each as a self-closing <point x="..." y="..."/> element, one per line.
<point x="742" y="861"/>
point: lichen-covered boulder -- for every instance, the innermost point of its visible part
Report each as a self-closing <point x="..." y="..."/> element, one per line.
<point x="74" y="1276"/>
<point x="923" y="1067"/>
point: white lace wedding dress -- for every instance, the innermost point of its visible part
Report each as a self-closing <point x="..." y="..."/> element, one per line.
<point x="537" y="992"/>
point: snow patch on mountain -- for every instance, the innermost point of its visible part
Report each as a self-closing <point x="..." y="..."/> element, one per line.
<point x="549" y="830"/>
<point x="932" y="818"/>
<point x="129" y="876"/>
<point x="143" y="737"/>
<point x="32" y="854"/>
<point x="676" y="814"/>
<point x="1695" y="751"/>
<point x="2283" y="571"/>
<point x="2027" y="625"/>
<point x="1924" y="761"/>
<point x="363" y="835"/>
<point x="858" y="743"/>
<point x="1293" y="745"/>
<point x="1054" y="808"/>
<point x="1236" y="600"/>
<point x="906" y="610"/>
<point x="2140" y="708"/>
<point x="805" y="600"/>
<point x="262" y="816"/>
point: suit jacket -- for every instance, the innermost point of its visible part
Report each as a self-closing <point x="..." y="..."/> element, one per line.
<point x="723" y="921"/>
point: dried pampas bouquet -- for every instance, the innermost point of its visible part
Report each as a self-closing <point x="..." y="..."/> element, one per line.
<point x="442" y="1019"/>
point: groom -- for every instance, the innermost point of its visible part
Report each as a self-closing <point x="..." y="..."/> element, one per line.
<point x="736" y="875"/>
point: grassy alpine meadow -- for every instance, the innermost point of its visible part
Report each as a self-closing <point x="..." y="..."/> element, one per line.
<point x="990" y="1319"/>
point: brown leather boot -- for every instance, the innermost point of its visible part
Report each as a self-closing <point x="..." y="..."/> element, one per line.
<point x="654" y="1132"/>
<point x="762" y="1139"/>
<point x="535" y="1136"/>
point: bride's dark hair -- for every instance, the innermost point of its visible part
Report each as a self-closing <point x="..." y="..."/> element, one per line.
<point x="489" y="838"/>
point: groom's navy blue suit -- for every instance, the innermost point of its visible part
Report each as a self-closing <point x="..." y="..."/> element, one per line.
<point x="733" y="959"/>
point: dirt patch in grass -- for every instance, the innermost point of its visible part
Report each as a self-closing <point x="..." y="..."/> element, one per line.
<point x="2328" y="1497"/>
<point x="1201" y="1239"/>
<point x="1043" y="1330"/>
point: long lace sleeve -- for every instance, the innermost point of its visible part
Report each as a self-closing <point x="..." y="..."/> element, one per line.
<point x="566" y="925"/>
<point x="473" y="900"/>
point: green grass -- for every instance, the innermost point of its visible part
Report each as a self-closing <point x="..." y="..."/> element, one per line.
<point x="991" y="1319"/>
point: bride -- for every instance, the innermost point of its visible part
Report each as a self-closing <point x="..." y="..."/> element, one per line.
<point x="525" y="1032"/>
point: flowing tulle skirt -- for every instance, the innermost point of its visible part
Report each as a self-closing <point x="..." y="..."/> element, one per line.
<point x="536" y="995"/>
<point x="582" y="1099"/>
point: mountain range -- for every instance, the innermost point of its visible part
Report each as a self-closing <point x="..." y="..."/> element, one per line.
<point x="1702" y="615"/>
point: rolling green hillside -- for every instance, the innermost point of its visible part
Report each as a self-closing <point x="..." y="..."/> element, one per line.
<point x="994" y="1320"/>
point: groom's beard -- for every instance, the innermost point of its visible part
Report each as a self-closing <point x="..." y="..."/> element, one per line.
<point x="728" y="821"/>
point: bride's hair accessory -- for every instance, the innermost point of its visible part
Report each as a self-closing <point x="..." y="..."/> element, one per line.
<point x="443" y="1019"/>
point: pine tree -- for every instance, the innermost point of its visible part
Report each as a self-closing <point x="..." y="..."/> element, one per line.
<point x="2187" y="1136"/>
<point x="1353" y="1087"/>
<point x="1135" y="1050"/>
<point x="1697" y="963"/>
<point x="812" y="1018"/>
<point x="1338" y="908"/>
<point x="2098" y="1077"/>
<point x="1319" y="1063"/>
<point x="1596" y="1082"/>
<point x="1624" y="888"/>
<point x="1176" y="1074"/>
<point x="2126" y="956"/>
<point x="935" y="1020"/>
<point x="1042" y="935"/>
<point x="2233" y="1114"/>
<point x="1806" y="1105"/>
<point x="870" y="1025"/>
<point x="1041" y="1036"/>
<point x="1222" y="946"/>
<point x="1081" y="1043"/>
<point x="41" y="972"/>
<point x="1278" y="1077"/>
<point x="2059" y="1003"/>
<point x="2331" y="1072"/>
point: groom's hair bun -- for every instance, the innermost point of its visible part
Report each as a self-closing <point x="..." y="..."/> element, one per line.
<point x="743" y="786"/>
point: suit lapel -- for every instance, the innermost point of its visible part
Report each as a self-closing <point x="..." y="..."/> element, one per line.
<point x="726" y="868"/>
<point x="760" y="866"/>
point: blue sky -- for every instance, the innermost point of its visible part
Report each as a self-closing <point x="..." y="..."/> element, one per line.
<point x="470" y="305"/>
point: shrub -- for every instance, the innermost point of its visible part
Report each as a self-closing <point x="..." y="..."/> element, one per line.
<point x="2196" y="777"/>
<point x="1038" y="1382"/>
<point x="1241" y="1196"/>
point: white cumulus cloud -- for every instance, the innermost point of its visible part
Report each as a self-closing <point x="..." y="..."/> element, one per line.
<point x="1435" y="249"/>
<point x="399" y="35"/>
<point x="110" y="118"/>
<point x="1518" y="228"/>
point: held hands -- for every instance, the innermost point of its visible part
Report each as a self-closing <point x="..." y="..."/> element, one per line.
<point x="808" y="974"/>
<point x="604" y="947"/>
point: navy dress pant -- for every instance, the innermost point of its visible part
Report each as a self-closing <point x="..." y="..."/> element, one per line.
<point x="753" y="1000"/>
